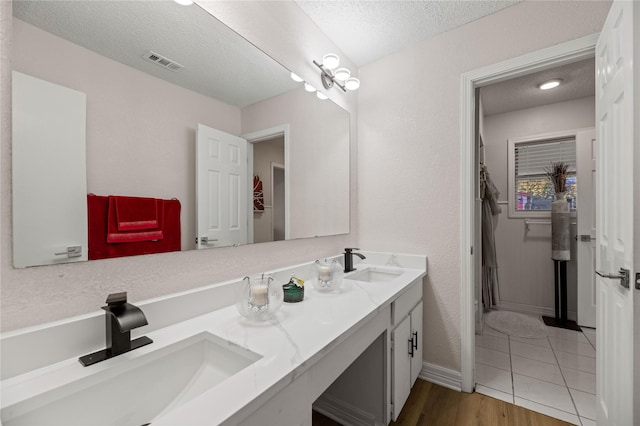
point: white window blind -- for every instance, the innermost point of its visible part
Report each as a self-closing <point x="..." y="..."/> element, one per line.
<point x="532" y="159"/>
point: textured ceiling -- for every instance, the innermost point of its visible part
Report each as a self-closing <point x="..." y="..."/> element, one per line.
<point x="522" y="92"/>
<point x="367" y="30"/>
<point x="217" y="62"/>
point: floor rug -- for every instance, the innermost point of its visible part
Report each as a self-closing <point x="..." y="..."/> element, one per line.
<point x="516" y="324"/>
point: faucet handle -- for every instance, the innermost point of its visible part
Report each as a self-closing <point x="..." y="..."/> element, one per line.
<point x="116" y="299"/>
<point x="348" y="250"/>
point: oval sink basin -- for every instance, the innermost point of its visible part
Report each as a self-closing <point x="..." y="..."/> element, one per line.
<point x="139" y="390"/>
<point x="374" y="275"/>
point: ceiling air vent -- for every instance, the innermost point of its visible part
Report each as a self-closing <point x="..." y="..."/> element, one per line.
<point x="162" y="61"/>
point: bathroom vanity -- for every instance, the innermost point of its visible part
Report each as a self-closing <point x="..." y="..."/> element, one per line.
<point x="209" y="365"/>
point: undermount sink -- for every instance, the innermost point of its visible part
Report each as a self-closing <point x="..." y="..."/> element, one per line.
<point x="139" y="390"/>
<point x="374" y="275"/>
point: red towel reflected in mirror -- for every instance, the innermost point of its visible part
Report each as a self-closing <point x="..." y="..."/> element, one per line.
<point x="130" y="233"/>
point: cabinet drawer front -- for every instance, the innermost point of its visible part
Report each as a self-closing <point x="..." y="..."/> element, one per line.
<point x="405" y="303"/>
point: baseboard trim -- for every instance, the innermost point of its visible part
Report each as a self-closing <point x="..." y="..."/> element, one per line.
<point x="441" y="376"/>
<point x="533" y="310"/>
<point x="342" y="412"/>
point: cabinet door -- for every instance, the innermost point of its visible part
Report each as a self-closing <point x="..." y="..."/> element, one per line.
<point x="401" y="362"/>
<point x="416" y="335"/>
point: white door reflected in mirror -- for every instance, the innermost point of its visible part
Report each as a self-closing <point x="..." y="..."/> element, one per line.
<point x="221" y="188"/>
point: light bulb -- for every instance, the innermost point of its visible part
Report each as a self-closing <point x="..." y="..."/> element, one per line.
<point x="342" y="74"/>
<point x="321" y="95"/>
<point x="309" y="88"/>
<point x="550" y="84"/>
<point x="352" y="83"/>
<point x="330" y="61"/>
<point x="296" y="77"/>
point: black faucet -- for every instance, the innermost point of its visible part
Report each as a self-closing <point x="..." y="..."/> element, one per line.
<point x="348" y="259"/>
<point x="121" y="317"/>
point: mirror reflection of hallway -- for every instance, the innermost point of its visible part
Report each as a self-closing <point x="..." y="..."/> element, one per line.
<point x="278" y="191"/>
<point x="268" y="160"/>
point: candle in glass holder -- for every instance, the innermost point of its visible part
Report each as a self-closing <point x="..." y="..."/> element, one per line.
<point x="324" y="273"/>
<point x="259" y="295"/>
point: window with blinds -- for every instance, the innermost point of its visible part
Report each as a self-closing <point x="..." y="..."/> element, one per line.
<point x="532" y="160"/>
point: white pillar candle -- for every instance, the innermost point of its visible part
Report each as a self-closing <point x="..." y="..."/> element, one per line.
<point x="259" y="295"/>
<point x="324" y="272"/>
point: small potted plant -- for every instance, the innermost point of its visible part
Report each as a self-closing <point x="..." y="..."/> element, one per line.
<point x="557" y="174"/>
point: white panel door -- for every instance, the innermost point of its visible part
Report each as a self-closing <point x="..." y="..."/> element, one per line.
<point x="416" y="335"/>
<point x="49" y="173"/>
<point x="615" y="214"/>
<point x="401" y="366"/>
<point x="586" y="230"/>
<point x="221" y="189"/>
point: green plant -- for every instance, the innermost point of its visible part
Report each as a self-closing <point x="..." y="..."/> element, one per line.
<point x="557" y="174"/>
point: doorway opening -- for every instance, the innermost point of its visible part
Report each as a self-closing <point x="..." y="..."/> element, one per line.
<point x="278" y="194"/>
<point x="268" y="160"/>
<point x="566" y="53"/>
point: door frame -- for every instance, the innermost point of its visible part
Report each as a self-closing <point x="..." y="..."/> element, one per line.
<point x="551" y="57"/>
<point x="273" y="192"/>
<point x="258" y="136"/>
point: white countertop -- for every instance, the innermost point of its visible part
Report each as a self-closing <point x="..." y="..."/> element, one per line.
<point x="296" y="339"/>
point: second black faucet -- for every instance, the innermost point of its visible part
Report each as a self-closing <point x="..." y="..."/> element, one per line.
<point x="348" y="259"/>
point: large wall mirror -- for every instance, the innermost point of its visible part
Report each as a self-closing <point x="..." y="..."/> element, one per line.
<point x="158" y="80"/>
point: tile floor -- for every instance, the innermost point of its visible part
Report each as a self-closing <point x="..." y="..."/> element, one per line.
<point x="555" y="375"/>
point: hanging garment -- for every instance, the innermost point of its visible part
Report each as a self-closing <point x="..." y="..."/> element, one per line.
<point x="490" y="208"/>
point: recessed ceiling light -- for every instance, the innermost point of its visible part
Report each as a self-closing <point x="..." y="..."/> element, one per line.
<point x="550" y="84"/>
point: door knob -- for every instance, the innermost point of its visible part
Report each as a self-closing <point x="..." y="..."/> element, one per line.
<point x="623" y="276"/>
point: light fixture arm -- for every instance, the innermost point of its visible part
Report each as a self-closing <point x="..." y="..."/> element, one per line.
<point x="328" y="79"/>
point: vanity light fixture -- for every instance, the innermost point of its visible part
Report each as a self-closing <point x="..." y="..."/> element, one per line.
<point x="329" y="77"/>
<point x="550" y="84"/>
<point x="342" y="74"/>
<point x="321" y="95"/>
<point x="309" y="88"/>
<point x="295" y="77"/>
<point x="184" y="2"/>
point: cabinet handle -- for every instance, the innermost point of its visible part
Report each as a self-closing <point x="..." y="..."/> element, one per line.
<point x="410" y="347"/>
<point x="415" y="342"/>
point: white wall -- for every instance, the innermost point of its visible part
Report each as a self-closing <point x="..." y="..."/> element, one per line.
<point x="36" y="295"/>
<point x="318" y="159"/>
<point x="140" y="129"/>
<point x="525" y="268"/>
<point x="409" y="145"/>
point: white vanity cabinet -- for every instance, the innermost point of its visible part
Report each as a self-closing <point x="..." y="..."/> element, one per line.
<point x="332" y="353"/>
<point x="406" y="345"/>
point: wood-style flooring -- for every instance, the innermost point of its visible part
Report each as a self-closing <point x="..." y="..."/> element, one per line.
<point x="431" y="404"/>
